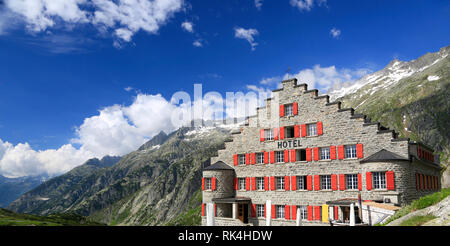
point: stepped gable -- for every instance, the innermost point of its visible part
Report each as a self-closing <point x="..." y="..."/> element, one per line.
<point x="301" y="151"/>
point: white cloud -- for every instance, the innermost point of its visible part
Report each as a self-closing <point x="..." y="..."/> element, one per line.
<point x="188" y="26"/>
<point x="258" y="4"/>
<point x="247" y="34"/>
<point x="123" y="17"/>
<point x="306" y="5"/>
<point x="335" y="32"/>
<point x="197" y="43"/>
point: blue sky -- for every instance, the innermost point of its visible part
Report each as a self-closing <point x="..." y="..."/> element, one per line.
<point x="55" y="77"/>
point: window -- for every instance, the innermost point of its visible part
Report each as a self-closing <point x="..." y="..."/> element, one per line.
<point x="289" y="132"/>
<point x="279" y="155"/>
<point x="325" y="182"/>
<point x="379" y="180"/>
<point x="311" y="129"/>
<point x="208" y="184"/>
<point x="350" y="151"/>
<point x="303" y="213"/>
<point x="260" y="210"/>
<point x="325" y="153"/>
<point x="279" y="209"/>
<point x="288" y="109"/>
<point x="241" y="159"/>
<point x="301" y="182"/>
<point x="280" y="183"/>
<point x="268" y="134"/>
<point x="300" y="154"/>
<point x="260" y="183"/>
<point x="241" y="183"/>
<point x="351" y="181"/>
<point x="259" y="158"/>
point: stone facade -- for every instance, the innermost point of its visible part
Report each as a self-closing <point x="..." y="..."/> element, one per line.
<point x="339" y="127"/>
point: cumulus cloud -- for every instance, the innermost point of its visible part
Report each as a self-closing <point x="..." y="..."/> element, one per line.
<point x="123" y="17"/>
<point x="247" y="34"/>
<point x="335" y="32"/>
<point x="188" y="26"/>
<point x="258" y="4"/>
<point x="197" y="43"/>
<point x="306" y="5"/>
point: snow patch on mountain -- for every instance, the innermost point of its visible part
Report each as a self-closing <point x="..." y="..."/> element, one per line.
<point x="433" y="78"/>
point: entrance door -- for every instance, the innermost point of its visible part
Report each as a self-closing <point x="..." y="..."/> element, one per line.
<point x="346" y="213"/>
<point x="243" y="213"/>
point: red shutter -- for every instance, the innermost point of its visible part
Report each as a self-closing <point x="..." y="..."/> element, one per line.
<point x="247" y="183"/>
<point x="235" y="183"/>
<point x="287" y="210"/>
<point x="336" y="213"/>
<point x="286" y="183"/>
<point x="273" y="211"/>
<point x="275" y="133"/>
<point x="282" y="132"/>
<point x="295" y="108"/>
<point x="421" y="181"/>
<point x="341" y="152"/>
<point x="272" y="156"/>
<point x="294" y="212"/>
<point x="293" y="155"/>
<point x="253" y="210"/>
<point x="390" y="183"/>
<point x="253" y="183"/>
<point x="253" y="158"/>
<point x="319" y="128"/>
<point x="317" y="213"/>
<point x="266" y="183"/>
<point x="359" y="151"/>
<point x="310" y="213"/>
<point x="369" y="180"/>
<point x="286" y="156"/>
<point x="294" y="182"/>
<point x="272" y="183"/>
<point x="213" y="183"/>
<point x="297" y="131"/>
<point x="316" y="154"/>
<point x="359" y="182"/>
<point x="281" y="110"/>
<point x="235" y="160"/>
<point x="316" y="182"/>
<point x="203" y="209"/>
<point x="417" y="182"/>
<point x="333" y="182"/>
<point x="303" y="132"/>
<point x="308" y="154"/>
<point x="261" y="135"/>
<point x="341" y="181"/>
<point x="247" y="159"/>
<point x="309" y="182"/>
<point x="203" y="183"/>
<point x="266" y="157"/>
<point x="333" y="152"/>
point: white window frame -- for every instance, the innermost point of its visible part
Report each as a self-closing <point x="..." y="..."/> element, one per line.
<point x="289" y="109"/>
<point x="279" y="156"/>
<point x="279" y="181"/>
<point x="208" y="183"/>
<point x="241" y="183"/>
<point x="268" y="134"/>
<point x="241" y="159"/>
<point x="379" y="180"/>
<point x="259" y="158"/>
<point x="325" y="182"/>
<point x="260" y="185"/>
<point x="280" y="211"/>
<point x="303" y="213"/>
<point x="260" y="210"/>
<point x="301" y="183"/>
<point x="325" y="153"/>
<point x="311" y="129"/>
<point x="350" y="151"/>
<point x="351" y="181"/>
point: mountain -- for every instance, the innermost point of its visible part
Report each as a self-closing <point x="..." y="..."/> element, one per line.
<point x="150" y="186"/>
<point x="155" y="142"/>
<point x="411" y="97"/>
<point x="12" y="188"/>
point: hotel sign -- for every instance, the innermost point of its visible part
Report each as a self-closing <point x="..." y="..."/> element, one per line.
<point x="288" y="144"/>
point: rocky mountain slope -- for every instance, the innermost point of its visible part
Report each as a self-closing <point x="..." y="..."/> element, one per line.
<point x="12" y="188"/>
<point x="410" y="97"/>
<point x="150" y="186"/>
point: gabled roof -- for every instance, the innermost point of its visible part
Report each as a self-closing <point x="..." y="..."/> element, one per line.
<point x="384" y="155"/>
<point x="220" y="165"/>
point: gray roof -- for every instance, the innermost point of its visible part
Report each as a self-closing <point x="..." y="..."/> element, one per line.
<point x="384" y="155"/>
<point x="231" y="199"/>
<point x="220" y="165"/>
